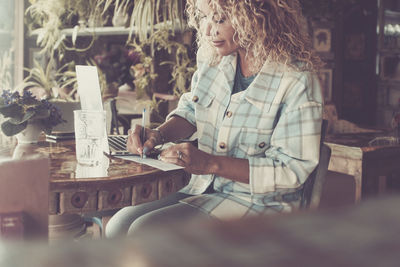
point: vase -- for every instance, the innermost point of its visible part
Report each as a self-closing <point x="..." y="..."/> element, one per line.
<point x="22" y="151"/>
<point x="30" y="135"/>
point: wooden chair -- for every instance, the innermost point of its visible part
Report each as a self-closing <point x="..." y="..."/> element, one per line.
<point x="24" y="203"/>
<point x="313" y="186"/>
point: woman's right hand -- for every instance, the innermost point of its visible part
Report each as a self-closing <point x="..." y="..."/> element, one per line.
<point x="134" y="142"/>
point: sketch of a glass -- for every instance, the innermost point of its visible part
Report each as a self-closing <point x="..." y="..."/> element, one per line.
<point x="89" y="136"/>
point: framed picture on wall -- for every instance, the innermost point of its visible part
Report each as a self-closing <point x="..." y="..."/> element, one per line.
<point x="325" y="79"/>
<point x="322" y="39"/>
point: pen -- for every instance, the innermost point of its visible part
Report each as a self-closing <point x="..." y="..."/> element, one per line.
<point x="108" y="155"/>
<point x="143" y="131"/>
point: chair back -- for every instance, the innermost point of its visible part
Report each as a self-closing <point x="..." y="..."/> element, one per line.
<point x="111" y="116"/>
<point x="312" y="189"/>
<point x="24" y="201"/>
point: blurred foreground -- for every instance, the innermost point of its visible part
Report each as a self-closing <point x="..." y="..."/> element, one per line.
<point x="363" y="235"/>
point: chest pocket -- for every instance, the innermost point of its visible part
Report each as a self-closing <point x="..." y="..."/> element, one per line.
<point x="254" y="142"/>
<point x="202" y="99"/>
<point x="203" y="106"/>
<point x="204" y="112"/>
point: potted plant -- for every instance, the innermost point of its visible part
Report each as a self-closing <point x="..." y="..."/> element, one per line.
<point x="47" y="18"/>
<point x="27" y="116"/>
<point x="153" y="24"/>
<point x="56" y="86"/>
<point x="177" y="59"/>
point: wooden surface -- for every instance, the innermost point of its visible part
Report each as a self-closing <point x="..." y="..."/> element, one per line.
<point x="120" y="183"/>
<point x="369" y="165"/>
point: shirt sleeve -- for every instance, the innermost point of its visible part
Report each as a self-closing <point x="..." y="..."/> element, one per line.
<point x="295" y="143"/>
<point x="185" y="108"/>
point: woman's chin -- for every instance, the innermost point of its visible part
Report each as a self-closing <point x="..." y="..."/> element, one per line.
<point x="224" y="52"/>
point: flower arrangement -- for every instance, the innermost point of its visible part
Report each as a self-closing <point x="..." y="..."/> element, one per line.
<point x="21" y="109"/>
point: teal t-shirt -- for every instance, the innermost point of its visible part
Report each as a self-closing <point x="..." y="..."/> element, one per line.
<point x="241" y="83"/>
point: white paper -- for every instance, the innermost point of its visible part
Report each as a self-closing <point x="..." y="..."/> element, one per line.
<point x="89" y="87"/>
<point x="161" y="165"/>
<point x="89" y="92"/>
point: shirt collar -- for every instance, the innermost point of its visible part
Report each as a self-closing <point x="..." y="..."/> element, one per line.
<point x="228" y="67"/>
<point x="261" y="92"/>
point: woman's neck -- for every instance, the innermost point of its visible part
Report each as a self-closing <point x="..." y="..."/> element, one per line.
<point x="244" y="64"/>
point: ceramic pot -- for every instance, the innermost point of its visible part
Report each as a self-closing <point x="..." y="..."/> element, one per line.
<point x="30" y="135"/>
<point x="22" y="151"/>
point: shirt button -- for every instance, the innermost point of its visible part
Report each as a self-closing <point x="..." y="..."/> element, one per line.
<point x="222" y="145"/>
<point x="195" y="99"/>
<point x="229" y="114"/>
<point x="261" y="145"/>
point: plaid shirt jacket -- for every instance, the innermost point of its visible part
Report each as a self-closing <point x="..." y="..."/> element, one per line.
<point x="275" y="124"/>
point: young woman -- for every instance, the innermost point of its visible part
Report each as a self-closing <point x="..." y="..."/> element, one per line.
<point x="256" y="107"/>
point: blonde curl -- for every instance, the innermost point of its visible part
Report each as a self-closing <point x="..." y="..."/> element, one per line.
<point x="267" y="29"/>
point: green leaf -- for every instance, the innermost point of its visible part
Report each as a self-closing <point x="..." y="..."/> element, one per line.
<point x="12" y="110"/>
<point x="11" y="129"/>
<point x="28" y="115"/>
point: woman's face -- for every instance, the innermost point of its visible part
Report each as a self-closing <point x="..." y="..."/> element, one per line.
<point x="216" y="28"/>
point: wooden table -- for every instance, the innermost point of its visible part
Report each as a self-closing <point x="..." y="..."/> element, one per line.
<point x="75" y="189"/>
<point x="352" y="155"/>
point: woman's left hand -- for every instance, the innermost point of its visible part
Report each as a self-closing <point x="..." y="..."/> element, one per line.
<point x="186" y="155"/>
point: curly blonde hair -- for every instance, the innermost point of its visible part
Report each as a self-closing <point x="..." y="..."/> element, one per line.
<point x="266" y="29"/>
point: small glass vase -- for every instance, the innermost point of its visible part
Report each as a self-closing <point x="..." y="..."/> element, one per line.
<point x="30" y="135"/>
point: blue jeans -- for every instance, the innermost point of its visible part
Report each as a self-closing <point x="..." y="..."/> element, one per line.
<point x="168" y="209"/>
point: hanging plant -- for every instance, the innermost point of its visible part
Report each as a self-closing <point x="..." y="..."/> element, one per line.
<point x="47" y="18"/>
<point x="147" y="14"/>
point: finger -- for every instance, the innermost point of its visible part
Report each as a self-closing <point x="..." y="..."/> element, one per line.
<point x="169" y="152"/>
<point x="149" y="145"/>
<point x="174" y="160"/>
<point x="174" y="153"/>
<point x="134" y="143"/>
